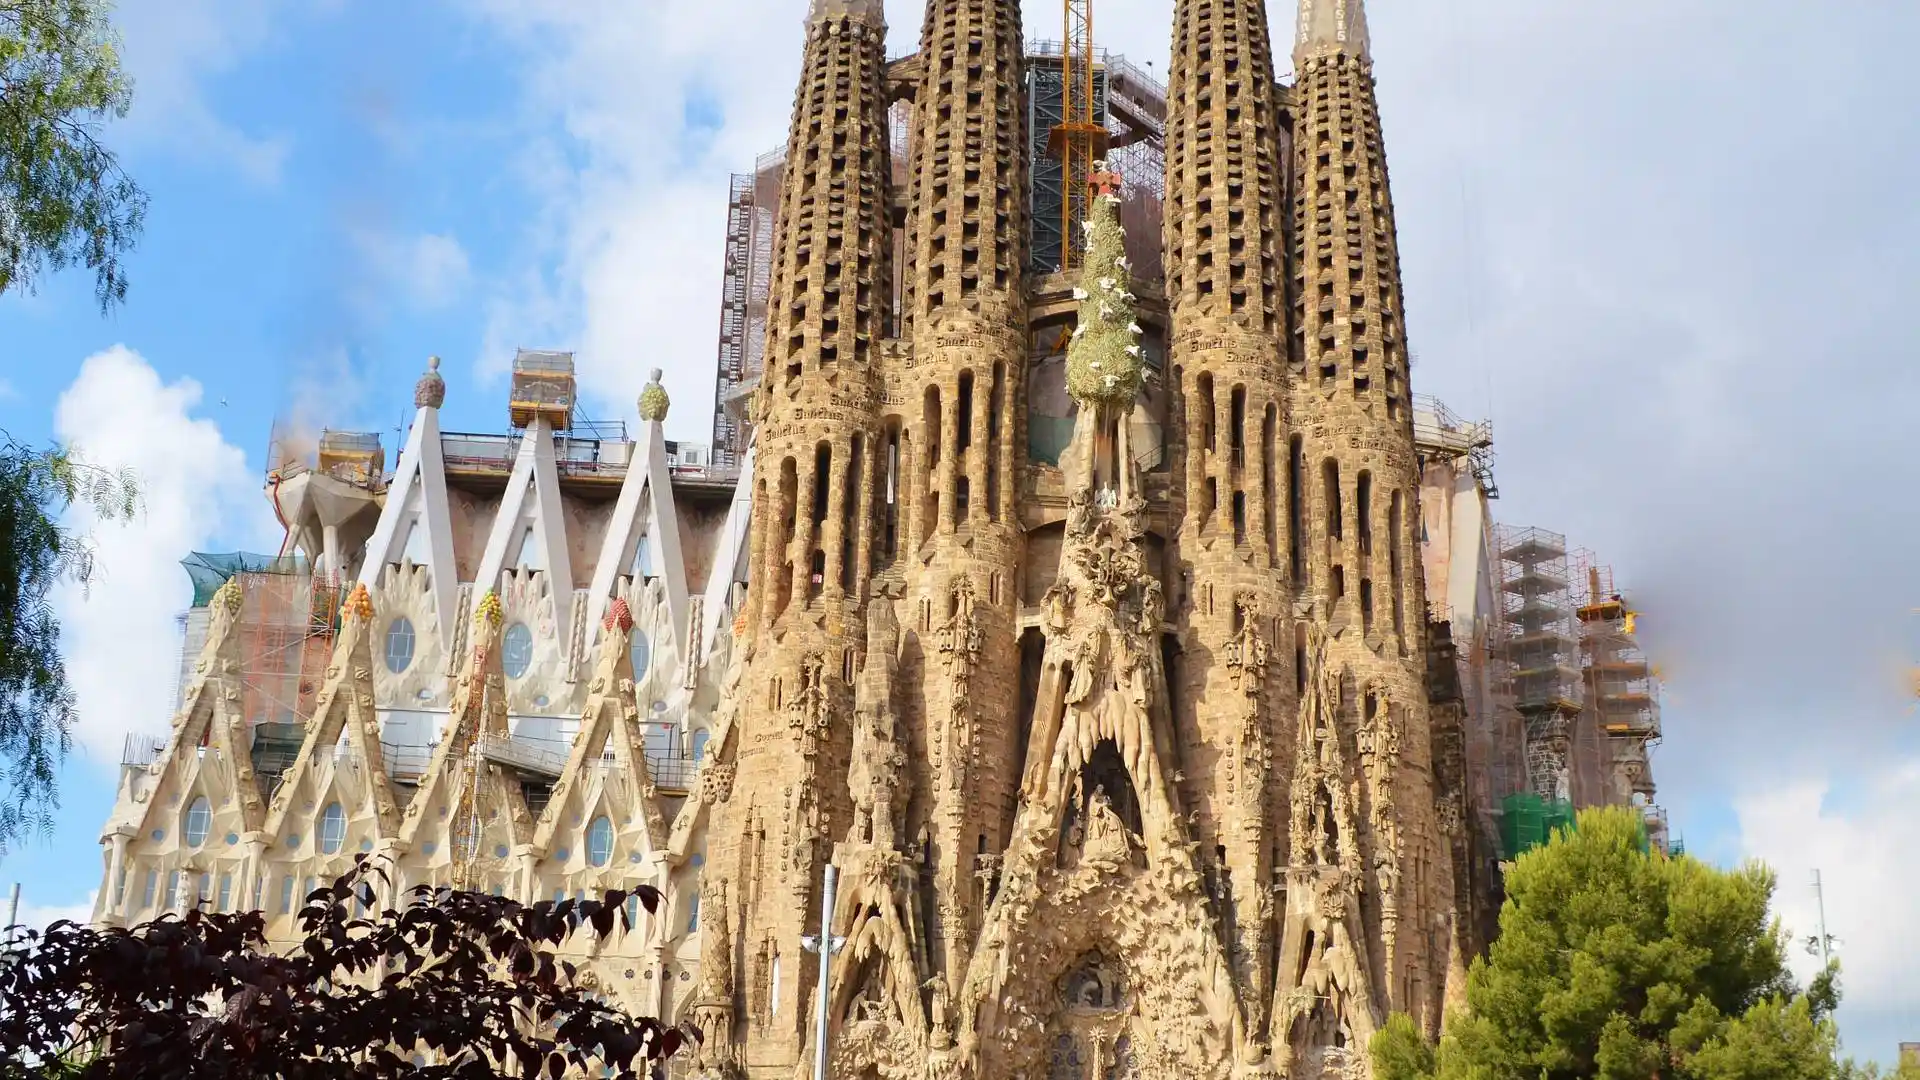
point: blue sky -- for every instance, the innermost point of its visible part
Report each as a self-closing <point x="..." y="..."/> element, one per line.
<point x="1669" y="250"/>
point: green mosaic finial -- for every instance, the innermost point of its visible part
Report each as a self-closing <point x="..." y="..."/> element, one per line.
<point x="1104" y="361"/>
<point x="653" y="399"/>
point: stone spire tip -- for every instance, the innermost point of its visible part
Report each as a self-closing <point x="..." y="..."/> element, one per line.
<point x="871" y="12"/>
<point x="1329" y="27"/>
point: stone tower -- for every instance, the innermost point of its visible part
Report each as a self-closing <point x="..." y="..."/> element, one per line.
<point x="1356" y="464"/>
<point x="1124" y="765"/>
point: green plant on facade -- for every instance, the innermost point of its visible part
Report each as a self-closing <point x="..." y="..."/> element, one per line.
<point x="1104" y="360"/>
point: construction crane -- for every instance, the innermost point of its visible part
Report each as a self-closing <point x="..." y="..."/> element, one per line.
<point x="1080" y="139"/>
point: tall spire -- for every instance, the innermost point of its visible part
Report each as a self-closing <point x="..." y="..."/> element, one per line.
<point x="1361" y="475"/>
<point x="1331" y="26"/>
<point x="965" y="313"/>
<point x="1226" y="279"/>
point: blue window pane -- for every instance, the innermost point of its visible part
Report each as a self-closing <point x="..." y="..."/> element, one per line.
<point x="641" y="652"/>
<point x="700" y="745"/>
<point x="599" y="841"/>
<point x="333" y="828"/>
<point x="516" y="650"/>
<point x="399" y="649"/>
<point x="199" y="820"/>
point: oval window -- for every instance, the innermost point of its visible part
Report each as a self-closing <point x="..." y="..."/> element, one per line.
<point x="599" y="841"/>
<point x="700" y="745"/>
<point x="333" y="828"/>
<point x="640" y="650"/>
<point x="199" y="822"/>
<point x="399" y="649"/>
<point x="516" y="650"/>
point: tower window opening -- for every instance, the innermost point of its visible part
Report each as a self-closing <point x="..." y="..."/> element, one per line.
<point x="781" y="554"/>
<point x="822" y="481"/>
<point x="1269" y="497"/>
<point x="1366" y="606"/>
<point x="1237" y="424"/>
<point x="1363" y="510"/>
<point x="961" y="500"/>
<point x="1296" y="507"/>
<point x="816" y="573"/>
<point x="1396" y="573"/>
<point x="1211" y="499"/>
<point x="996" y="404"/>
<point x="1239" y="517"/>
<point x="890" y="508"/>
<point x="1339" y="580"/>
<point x="850" y="514"/>
<point x="1300" y="659"/>
<point x="1330" y="484"/>
<point x="1203" y="390"/>
<point x="963" y="420"/>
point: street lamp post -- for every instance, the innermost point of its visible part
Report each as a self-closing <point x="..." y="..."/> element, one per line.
<point x="826" y="945"/>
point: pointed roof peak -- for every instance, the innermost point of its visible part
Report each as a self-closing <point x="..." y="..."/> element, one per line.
<point x="1330" y="27"/>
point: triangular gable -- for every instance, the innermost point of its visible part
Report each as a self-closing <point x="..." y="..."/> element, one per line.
<point x="532" y="499"/>
<point x="644" y="509"/>
<point x="416" y="520"/>
<point x="345" y="705"/>
<point x="610" y="720"/>
<point x="455" y="775"/>
<point x="210" y="716"/>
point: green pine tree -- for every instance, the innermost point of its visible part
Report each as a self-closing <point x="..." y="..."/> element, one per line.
<point x="1619" y="964"/>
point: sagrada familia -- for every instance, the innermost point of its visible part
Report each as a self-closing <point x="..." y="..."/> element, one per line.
<point x="1211" y="837"/>
<point x="1059" y="578"/>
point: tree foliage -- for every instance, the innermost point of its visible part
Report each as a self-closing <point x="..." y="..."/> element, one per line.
<point x="37" y="710"/>
<point x="466" y="980"/>
<point x="63" y="196"/>
<point x="1620" y="964"/>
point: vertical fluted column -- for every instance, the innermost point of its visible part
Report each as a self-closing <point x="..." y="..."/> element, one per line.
<point x="965" y="318"/>
<point x="1226" y="298"/>
<point x="1351" y="404"/>
<point x="817" y="417"/>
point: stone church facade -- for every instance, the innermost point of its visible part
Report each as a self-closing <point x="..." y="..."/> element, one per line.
<point x="1126" y="764"/>
<point x="1125" y="743"/>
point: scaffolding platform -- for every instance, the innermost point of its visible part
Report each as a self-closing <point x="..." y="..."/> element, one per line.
<point x="542" y="388"/>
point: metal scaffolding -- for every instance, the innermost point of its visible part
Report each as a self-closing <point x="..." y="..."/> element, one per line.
<point x="1622" y="690"/>
<point x="1538" y="653"/>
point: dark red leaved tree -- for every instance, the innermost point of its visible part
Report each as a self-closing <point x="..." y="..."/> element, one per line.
<point x="467" y="980"/>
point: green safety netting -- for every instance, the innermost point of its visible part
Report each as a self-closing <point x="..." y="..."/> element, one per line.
<point x="1527" y="821"/>
<point x="209" y="572"/>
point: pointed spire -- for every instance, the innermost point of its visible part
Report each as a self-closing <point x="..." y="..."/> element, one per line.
<point x="431" y="391"/>
<point x="1329" y="27"/>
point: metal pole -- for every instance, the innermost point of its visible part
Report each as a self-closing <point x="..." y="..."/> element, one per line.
<point x="826" y="958"/>
<point x="13" y="908"/>
<point x="1820" y="901"/>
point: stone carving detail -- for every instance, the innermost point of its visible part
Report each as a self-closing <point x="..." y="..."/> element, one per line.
<point x="810" y="712"/>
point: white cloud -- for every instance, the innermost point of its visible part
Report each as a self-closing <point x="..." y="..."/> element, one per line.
<point x="120" y="639"/>
<point x="1861" y="840"/>
<point x="38" y="916"/>
<point x="430" y="269"/>
<point x="170" y="47"/>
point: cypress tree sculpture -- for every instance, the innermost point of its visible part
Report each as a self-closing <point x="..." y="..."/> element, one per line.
<point x="1104" y="362"/>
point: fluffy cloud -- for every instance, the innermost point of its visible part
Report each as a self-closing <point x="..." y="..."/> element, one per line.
<point x="38" y="916"/>
<point x="429" y="269"/>
<point x="170" y="47"/>
<point x="1861" y="840"/>
<point x="120" y="638"/>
